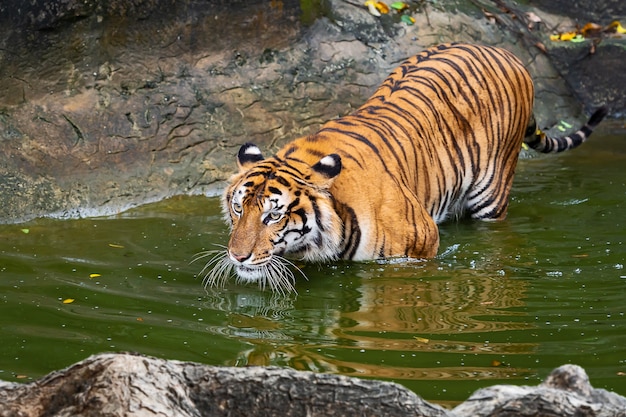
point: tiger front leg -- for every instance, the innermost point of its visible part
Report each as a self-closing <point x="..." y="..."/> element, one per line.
<point x="426" y="241"/>
<point x="412" y="232"/>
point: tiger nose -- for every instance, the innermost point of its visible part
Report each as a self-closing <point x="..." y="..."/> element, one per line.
<point x="239" y="258"/>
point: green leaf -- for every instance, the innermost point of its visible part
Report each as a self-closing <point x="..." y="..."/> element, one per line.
<point x="407" y="19"/>
<point x="399" y="5"/>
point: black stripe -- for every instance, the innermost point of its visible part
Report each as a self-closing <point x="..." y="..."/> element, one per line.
<point x="283" y="181"/>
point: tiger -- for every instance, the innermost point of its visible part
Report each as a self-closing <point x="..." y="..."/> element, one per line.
<point x="440" y="138"/>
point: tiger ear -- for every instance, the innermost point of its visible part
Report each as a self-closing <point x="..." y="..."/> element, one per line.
<point x="248" y="155"/>
<point x="328" y="167"/>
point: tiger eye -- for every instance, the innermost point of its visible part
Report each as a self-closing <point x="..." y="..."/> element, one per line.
<point x="275" y="215"/>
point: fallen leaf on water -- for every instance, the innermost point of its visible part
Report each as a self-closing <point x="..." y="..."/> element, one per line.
<point x="26" y="231"/>
<point x="421" y="339"/>
<point x="94" y="275"/>
<point x="582" y="255"/>
<point x="139" y="319"/>
<point x="68" y="301"/>
<point x="496" y="363"/>
<point x="21" y="376"/>
<point x="114" y="245"/>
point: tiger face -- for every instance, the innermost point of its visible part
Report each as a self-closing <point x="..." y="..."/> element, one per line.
<point x="276" y="208"/>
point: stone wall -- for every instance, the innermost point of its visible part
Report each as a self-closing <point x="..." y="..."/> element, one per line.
<point x="105" y="105"/>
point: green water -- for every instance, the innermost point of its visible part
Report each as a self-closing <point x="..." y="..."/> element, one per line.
<point x="503" y="303"/>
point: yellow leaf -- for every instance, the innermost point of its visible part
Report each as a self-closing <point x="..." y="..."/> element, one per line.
<point x="568" y="36"/>
<point x="68" y="301"/>
<point x="421" y="339"/>
<point x="618" y="27"/>
<point x="94" y="275"/>
<point x="382" y="7"/>
<point x="113" y="245"/>
<point x="25" y="231"/>
<point x="371" y="6"/>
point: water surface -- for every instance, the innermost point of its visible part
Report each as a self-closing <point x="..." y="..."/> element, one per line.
<point x="503" y="303"/>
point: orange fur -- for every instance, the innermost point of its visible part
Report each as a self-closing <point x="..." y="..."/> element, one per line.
<point x="439" y="138"/>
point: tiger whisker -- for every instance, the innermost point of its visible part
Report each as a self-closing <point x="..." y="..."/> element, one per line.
<point x="276" y="274"/>
<point x="279" y="277"/>
<point x="282" y="259"/>
<point x="201" y="255"/>
<point x="218" y="256"/>
<point x="218" y="276"/>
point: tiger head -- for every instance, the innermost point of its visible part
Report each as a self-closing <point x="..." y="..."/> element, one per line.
<point x="277" y="207"/>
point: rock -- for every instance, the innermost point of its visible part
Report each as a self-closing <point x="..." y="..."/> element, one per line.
<point x="579" y="66"/>
<point x="129" y="384"/>
<point x="565" y="392"/>
<point x="105" y="105"/>
<point x="126" y="384"/>
<point x="584" y="11"/>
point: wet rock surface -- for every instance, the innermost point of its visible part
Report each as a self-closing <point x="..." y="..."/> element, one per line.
<point x="107" y="105"/>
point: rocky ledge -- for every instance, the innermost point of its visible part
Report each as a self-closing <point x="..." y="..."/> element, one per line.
<point x="105" y="105"/>
<point x="110" y="385"/>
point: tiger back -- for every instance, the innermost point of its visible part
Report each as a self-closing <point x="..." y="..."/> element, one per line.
<point x="439" y="138"/>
